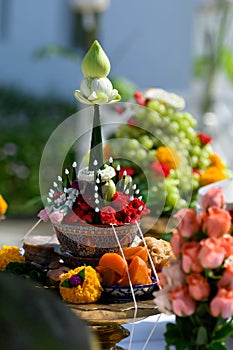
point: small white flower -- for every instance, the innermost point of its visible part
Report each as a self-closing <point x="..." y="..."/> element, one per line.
<point x="96" y="91"/>
<point x="170" y="99"/>
<point x="86" y="175"/>
<point x="107" y="173"/>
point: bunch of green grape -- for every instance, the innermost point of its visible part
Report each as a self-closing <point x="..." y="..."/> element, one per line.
<point x="163" y="125"/>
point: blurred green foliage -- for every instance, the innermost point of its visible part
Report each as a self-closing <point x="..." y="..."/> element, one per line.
<point x="26" y="122"/>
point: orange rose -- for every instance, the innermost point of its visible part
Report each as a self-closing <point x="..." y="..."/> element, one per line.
<point x="211" y="254"/>
<point x="226" y="241"/>
<point x="190" y="251"/>
<point x="227" y="279"/>
<point x="213" y="198"/>
<point x="216" y="222"/>
<point x="182" y="304"/>
<point x="188" y="224"/>
<point x="176" y="242"/>
<point x="198" y="286"/>
<point x="222" y="304"/>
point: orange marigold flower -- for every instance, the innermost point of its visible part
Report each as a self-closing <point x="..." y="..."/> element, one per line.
<point x="87" y="292"/>
<point x="3" y="206"/>
<point x="212" y="174"/>
<point x="10" y="254"/>
<point x="168" y="156"/>
<point x="216" y="161"/>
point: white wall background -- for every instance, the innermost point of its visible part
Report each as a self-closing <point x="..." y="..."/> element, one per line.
<point x="149" y="42"/>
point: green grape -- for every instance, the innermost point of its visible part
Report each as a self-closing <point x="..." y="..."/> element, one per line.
<point x="141" y="154"/>
<point x="132" y="144"/>
<point x="175" y="125"/>
<point x="194" y="161"/>
<point x="146" y="141"/>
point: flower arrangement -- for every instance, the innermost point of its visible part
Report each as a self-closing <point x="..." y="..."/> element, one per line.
<point x="98" y="194"/>
<point x="3" y="207"/>
<point x="10" y="254"/>
<point x="197" y="286"/>
<point x="81" y="285"/>
<point x="165" y="151"/>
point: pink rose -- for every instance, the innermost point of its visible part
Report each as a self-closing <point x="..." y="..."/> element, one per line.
<point x="226" y="241"/>
<point x="162" y="279"/>
<point x="190" y="251"/>
<point x="188" y="224"/>
<point x="182" y="304"/>
<point x="211" y="254"/>
<point x="227" y="279"/>
<point x="216" y="222"/>
<point x="176" y="242"/>
<point x="198" y="286"/>
<point x="222" y="304"/>
<point x="162" y="300"/>
<point x="213" y="198"/>
<point x="174" y="274"/>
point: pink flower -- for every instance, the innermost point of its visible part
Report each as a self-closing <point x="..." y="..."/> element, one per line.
<point x="213" y="198"/>
<point x="188" y="224"/>
<point x="216" y="222"/>
<point x="189" y="261"/>
<point x="162" y="300"/>
<point x="211" y="254"/>
<point x="174" y="274"/>
<point x="44" y="214"/>
<point x="198" y="286"/>
<point x="162" y="279"/>
<point x="56" y="216"/>
<point x="222" y="304"/>
<point x="182" y="304"/>
<point x="176" y="242"/>
<point x="160" y="169"/>
<point x="227" y="279"/>
<point x="226" y="241"/>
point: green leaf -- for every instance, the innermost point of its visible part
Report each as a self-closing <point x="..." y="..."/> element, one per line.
<point x="200" y="65"/>
<point x="82" y="274"/>
<point x="223" y="332"/>
<point x="66" y="283"/>
<point x="216" y="346"/>
<point x="202" y="336"/>
<point x="227" y="62"/>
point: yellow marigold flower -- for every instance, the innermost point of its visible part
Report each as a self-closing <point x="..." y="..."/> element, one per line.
<point x="216" y="161"/>
<point x="87" y="292"/>
<point x="212" y="174"/>
<point x="3" y="205"/>
<point x="168" y="156"/>
<point x="10" y="254"/>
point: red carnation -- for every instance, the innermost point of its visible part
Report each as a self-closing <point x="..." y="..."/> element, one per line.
<point x="204" y="138"/>
<point x="131" y="121"/>
<point x="108" y="215"/>
<point x="160" y="169"/>
<point x="196" y="171"/>
<point x="139" y="98"/>
<point x="130" y="171"/>
<point x="120" y="201"/>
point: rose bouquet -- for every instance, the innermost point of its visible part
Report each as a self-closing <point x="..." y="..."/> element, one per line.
<point x="198" y="285"/>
